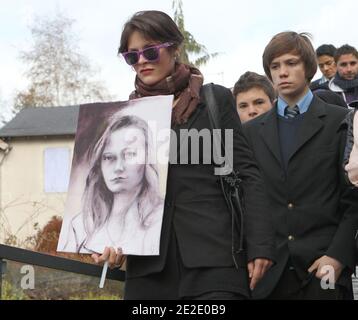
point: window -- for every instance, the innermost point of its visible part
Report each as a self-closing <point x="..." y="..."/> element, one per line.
<point x="57" y="169"/>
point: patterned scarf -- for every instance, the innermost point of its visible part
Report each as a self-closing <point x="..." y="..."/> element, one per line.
<point x="184" y="83"/>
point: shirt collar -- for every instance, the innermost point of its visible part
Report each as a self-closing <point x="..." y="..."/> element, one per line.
<point x="323" y="80"/>
<point x="303" y="104"/>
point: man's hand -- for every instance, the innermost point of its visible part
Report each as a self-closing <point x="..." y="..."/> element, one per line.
<point x="257" y="268"/>
<point x="326" y="261"/>
<point x="114" y="257"/>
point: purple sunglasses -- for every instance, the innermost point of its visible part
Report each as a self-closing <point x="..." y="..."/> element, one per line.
<point x="151" y="53"/>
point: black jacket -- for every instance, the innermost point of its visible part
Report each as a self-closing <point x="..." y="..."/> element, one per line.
<point x="195" y="208"/>
<point x="316" y="85"/>
<point x="330" y="97"/>
<point x="348" y="122"/>
<point x="314" y="212"/>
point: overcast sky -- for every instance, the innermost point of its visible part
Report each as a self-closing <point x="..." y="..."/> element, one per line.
<point x="239" y="29"/>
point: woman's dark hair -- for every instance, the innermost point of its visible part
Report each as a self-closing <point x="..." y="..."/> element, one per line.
<point x="295" y="43"/>
<point x="153" y="25"/>
<point x="250" y="80"/>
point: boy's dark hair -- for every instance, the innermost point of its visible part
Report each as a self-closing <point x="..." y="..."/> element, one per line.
<point x="326" y="50"/>
<point x="345" y="49"/>
<point x="251" y="80"/>
<point x="295" y="43"/>
<point x="154" y="25"/>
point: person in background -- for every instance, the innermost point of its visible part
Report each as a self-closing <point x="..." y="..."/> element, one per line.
<point x="325" y="55"/>
<point x="345" y="81"/>
<point x="299" y="145"/>
<point x="198" y="242"/>
<point x="254" y="95"/>
<point x="325" y="59"/>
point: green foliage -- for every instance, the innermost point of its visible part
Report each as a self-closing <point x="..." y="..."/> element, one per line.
<point x="9" y="292"/>
<point x="190" y="46"/>
<point x="95" y="296"/>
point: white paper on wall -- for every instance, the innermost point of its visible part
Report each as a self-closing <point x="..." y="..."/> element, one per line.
<point x="57" y="169"/>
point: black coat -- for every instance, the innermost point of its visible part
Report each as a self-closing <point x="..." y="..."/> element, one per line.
<point x="196" y="211"/>
<point x="314" y="212"/>
<point x="350" y="137"/>
<point x="316" y="85"/>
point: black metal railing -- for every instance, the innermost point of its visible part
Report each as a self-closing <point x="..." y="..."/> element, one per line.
<point x="52" y="262"/>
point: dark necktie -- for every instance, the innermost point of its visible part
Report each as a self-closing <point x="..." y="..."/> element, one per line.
<point x="291" y="112"/>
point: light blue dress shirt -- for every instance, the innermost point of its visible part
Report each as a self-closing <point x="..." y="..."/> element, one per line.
<point x="303" y="104"/>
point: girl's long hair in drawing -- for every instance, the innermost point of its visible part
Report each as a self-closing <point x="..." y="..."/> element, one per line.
<point x="98" y="200"/>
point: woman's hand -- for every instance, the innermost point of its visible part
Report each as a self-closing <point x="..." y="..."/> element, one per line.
<point x="321" y="270"/>
<point x="257" y="269"/>
<point x="114" y="257"/>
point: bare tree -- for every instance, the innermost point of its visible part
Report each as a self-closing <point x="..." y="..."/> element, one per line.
<point x="2" y="107"/>
<point x="190" y="46"/>
<point x="6" y="111"/>
<point x="58" y="73"/>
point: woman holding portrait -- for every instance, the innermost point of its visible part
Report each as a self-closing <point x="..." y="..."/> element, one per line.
<point x="196" y="257"/>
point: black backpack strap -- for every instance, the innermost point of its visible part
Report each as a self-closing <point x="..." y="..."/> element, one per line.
<point x="230" y="184"/>
<point x="214" y="117"/>
<point x="208" y="92"/>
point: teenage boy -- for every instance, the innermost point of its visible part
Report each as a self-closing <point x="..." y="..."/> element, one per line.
<point x="299" y="146"/>
<point x="325" y="59"/>
<point x="346" y="80"/>
<point x="254" y="95"/>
